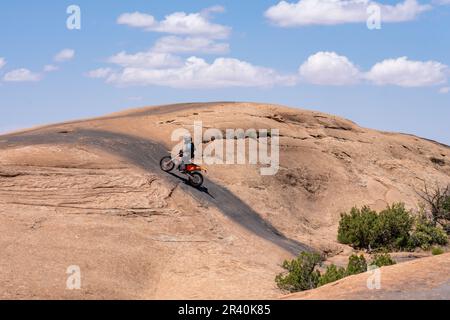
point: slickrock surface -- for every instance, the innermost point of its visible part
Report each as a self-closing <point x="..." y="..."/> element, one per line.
<point x="90" y="193"/>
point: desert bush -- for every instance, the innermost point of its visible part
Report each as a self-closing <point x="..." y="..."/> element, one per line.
<point x="367" y="229"/>
<point x="356" y="264"/>
<point x="446" y="202"/>
<point x="437" y="201"/>
<point x="332" y="274"/>
<point x="437" y="251"/>
<point x="301" y="273"/>
<point x="393" y="228"/>
<point x="425" y="234"/>
<point x="358" y="228"/>
<point x="382" y="259"/>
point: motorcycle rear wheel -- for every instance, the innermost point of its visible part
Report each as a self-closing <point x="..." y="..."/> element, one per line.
<point x="196" y="179"/>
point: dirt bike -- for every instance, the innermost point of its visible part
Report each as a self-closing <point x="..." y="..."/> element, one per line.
<point x="193" y="171"/>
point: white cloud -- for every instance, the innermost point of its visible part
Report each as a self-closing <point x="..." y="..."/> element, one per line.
<point x="197" y="73"/>
<point x="2" y="62"/>
<point x="403" y="11"/>
<point x="214" y="9"/>
<point x="64" y="55"/>
<point x="174" y="44"/>
<point x="21" y="75"/>
<point x="180" y="23"/>
<point x="137" y="20"/>
<point x="148" y="59"/>
<point x="332" y="12"/>
<point x="444" y="90"/>
<point x="192" y="24"/>
<point x="329" y="68"/>
<point x="99" y="73"/>
<point x="407" y="73"/>
<point x="442" y="2"/>
<point x="160" y="68"/>
<point x="50" y="68"/>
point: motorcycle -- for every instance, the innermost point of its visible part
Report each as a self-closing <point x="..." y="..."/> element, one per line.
<point x="193" y="171"/>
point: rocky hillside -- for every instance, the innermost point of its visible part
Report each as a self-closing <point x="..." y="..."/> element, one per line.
<point x="90" y="193"/>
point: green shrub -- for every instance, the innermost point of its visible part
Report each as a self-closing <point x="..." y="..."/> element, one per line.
<point x="356" y="265"/>
<point x="367" y="229"/>
<point x="301" y="273"/>
<point x="420" y="239"/>
<point x="358" y="228"/>
<point x="393" y="228"/>
<point x="446" y="203"/>
<point x="437" y="251"/>
<point x="332" y="274"/>
<point x="437" y="201"/>
<point x="425" y="234"/>
<point x="382" y="259"/>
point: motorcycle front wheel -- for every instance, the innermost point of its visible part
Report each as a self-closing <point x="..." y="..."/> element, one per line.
<point x="167" y="164"/>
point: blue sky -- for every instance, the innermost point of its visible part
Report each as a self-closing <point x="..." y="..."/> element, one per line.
<point x="325" y="59"/>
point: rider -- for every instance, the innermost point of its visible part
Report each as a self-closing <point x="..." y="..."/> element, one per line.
<point x="188" y="153"/>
